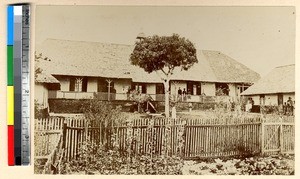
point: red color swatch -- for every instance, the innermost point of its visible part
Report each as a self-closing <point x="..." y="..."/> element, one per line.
<point x="10" y="148"/>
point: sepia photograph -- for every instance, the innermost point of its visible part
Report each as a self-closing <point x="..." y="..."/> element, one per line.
<point x="164" y="90"/>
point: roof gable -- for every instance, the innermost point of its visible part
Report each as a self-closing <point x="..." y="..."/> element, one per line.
<point x="279" y="80"/>
<point x="227" y="69"/>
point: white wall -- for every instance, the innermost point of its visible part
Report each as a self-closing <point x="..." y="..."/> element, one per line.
<point x="256" y="99"/>
<point x="64" y="84"/>
<point x="41" y="94"/>
<point x="174" y="88"/>
<point x="151" y="88"/>
<point x="92" y="85"/>
<point x="121" y="85"/>
<point x="271" y="99"/>
<point x="208" y="88"/>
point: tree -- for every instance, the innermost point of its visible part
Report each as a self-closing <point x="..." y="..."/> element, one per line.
<point x="37" y="69"/>
<point x="163" y="54"/>
<point x="38" y="58"/>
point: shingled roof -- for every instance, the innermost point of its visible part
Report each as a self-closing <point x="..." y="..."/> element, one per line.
<point x="279" y="80"/>
<point x="48" y="80"/>
<point x="45" y="78"/>
<point x="78" y="58"/>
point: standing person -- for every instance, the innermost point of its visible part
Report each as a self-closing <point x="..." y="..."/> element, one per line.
<point x="284" y="108"/>
<point x="113" y="93"/>
<point x="252" y="104"/>
<point x="184" y="94"/>
<point x="190" y="107"/>
<point x="128" y="93"/>
<point x="248" y="105"/>
<point x="290" y="106"/>
<point x="180" y="94"/>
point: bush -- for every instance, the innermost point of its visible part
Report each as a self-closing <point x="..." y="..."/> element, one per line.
<point x="112" y="159"/>
<point x="115" y="162"/>
<point x="39" y="111"/>
<point x="66" y="105"/>
<point x="272" y="109"/>
<point x="180" y="106"/>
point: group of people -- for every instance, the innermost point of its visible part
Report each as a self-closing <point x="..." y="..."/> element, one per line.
<point x="182" y="94"/>
<point x="288" y="107"/>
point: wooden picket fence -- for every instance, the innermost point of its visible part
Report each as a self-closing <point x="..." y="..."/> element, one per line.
<point x="47" y="133"/>
<point x="278" y="135"/>
<point x="48" y="140"/>
<point x="189" y="138"/>
<point x="222" y="138"/>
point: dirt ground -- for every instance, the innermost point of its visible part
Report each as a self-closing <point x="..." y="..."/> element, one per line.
<point x="269" y="165"/>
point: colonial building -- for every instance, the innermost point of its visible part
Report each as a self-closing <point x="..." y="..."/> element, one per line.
<point x="92" y="69"/>
<point x="275" y="88"/>
<point x="43" y="83"/>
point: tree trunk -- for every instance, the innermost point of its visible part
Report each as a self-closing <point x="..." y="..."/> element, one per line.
<point x="139" y="107"/>
<point x="167" y="96"/>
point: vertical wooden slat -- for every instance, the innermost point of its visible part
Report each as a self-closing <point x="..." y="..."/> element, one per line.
<point x="281" y="136"/>
<point x="68" y="140"/>
<point x="75" y="139"/>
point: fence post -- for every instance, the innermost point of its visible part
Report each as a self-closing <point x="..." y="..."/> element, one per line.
<point x="262" y="136"/>
<point x="64" y="134"/>
<point x="183" y="137"/>
<point x="281" y="135"/>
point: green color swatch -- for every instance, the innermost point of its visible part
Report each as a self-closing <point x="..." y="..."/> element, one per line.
<point x="10" y="65"/>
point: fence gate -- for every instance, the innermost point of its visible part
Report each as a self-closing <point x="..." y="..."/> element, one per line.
<point x="278" y="135"/>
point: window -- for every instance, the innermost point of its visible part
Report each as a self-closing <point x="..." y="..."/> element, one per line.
<point x="103" y="86"/>
<point x="78" y="84"/>
<point x="222" y="89"/>
<point x="160" y="88"/>
<point x="193" y="88"/>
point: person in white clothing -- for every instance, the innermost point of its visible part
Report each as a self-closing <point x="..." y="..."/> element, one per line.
<point x="249" y="105"/>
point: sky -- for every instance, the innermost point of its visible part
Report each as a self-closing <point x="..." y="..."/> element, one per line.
<point x="261" y="38"/>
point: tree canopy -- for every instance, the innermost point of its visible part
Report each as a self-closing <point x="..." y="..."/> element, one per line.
<point x="164" y="53"/>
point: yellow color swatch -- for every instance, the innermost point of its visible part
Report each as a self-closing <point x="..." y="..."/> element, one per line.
<point x="10" y="105"/>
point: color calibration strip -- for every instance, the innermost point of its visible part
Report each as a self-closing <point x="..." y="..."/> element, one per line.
<point x="10" y="84"/>
<point x="18" y="85"/>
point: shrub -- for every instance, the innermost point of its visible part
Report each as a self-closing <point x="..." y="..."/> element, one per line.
<point x="98" y="159"/>
<point x="39" y="111"/>
<point x="66" y="105"/>
<point x="272" y="109"/>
